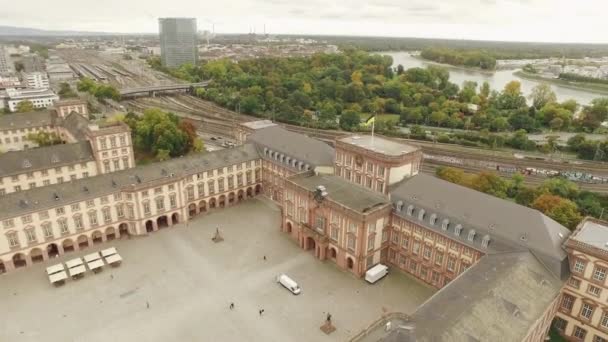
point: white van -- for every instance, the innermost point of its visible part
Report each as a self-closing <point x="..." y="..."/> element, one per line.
<point x="376" y="273"/>
<point x="289" y="284"/>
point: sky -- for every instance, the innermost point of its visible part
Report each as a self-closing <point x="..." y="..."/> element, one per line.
<point x="580" y="21"/>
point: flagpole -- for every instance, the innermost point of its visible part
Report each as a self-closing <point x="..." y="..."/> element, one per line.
<point x="373" y="126"/>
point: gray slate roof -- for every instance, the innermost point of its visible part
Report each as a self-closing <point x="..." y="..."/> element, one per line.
<point x="295" y="145"/>
<point x="506" y="222"/>
<point x="41" y="158"/>
<point x="76" y="124"/>
<point x="343" y="192"/>
<point x="23" y="202"/>
<point x="25" y="120"/>
<point x="498" y="299"/>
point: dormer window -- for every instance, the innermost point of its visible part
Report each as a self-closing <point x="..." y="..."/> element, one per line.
<point x="421" y="215"/>
<point x="433" y="219"/>
<point x="471" y="236"/>
<point x="399" y="206"/>
<point x="54" y="159"/>
<point x="265" y="151"/>
<point x="26" y="164"/>
<point x="485" y="241"/>
<point x="458" y="230"/>
<point x="410" y="210"/>
<point x="445" y="224"/>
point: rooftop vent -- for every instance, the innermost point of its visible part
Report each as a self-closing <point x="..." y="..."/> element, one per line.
<point x="137" y="179"/>
<point x="114" y="183"/>
<point x="85" y="189"/>
<point x="56" y="197"/>
<point x="23" y="203"/>
<point x="26" y="164"/>
<point x="54" y="158"/>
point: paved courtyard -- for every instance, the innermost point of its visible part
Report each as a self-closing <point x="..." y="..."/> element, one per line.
<point x="189" y="282"/>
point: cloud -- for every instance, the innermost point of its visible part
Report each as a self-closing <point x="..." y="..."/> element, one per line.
<point x="547" y="20"/>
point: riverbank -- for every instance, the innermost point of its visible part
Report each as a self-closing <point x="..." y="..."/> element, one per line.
<point x="591" y="87"/>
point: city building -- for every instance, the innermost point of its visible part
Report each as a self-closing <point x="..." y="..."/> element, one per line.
<point x="502" y="270"/>
<point x="10" y="82"/>
<point x="58" y="70"/>
<point x="40" y="98"/>
<point x="6" y="64"/>
<point x="35" y="80"/>
<point x="87" y="150"/>
<point x="65" y="107"/>
<point x="582" y="314"/>
<point x="178" y="41"/>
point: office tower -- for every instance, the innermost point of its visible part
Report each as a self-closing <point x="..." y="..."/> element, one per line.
<point x="178" y="41"/>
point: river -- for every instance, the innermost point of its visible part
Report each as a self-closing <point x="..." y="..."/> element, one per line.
<point x="496" y="79"/>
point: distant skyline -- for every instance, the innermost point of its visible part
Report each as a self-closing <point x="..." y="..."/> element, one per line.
<point x="504" y="20"/>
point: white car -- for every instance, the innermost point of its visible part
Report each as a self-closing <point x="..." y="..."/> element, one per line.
<point x="289" y="284"/>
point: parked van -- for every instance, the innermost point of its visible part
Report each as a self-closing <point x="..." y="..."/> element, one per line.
<point x="376" y="273"/>
<point x="289" y="284"/>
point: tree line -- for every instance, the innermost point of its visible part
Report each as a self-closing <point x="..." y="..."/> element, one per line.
<point x="469" y="58"/>
<point x="557" y="198"/>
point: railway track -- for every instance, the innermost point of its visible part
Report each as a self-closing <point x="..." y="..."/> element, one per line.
<point x="217" y="120"/>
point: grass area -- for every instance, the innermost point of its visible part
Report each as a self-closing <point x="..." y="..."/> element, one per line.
<point x="380" y="117"/>
<point x="594" y="87"/>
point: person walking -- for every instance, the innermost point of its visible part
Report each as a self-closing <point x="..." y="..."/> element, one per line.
<point x="147" y="305"/>
<point x="264" y="258"/>
<point x="231" y="306"/>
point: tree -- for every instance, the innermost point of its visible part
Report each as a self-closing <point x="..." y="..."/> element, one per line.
<point x="490" y="183"/>
<point x="560" y="209"/>
<point x="65" y="91"/>
<point x="559" y="187"/>
<point x="451" y="174"/>
<point x="157" y="133"/>
<point x="24" y="106"/>
<point x="349" y="120"/>
<point x="45" y="138"/>
<point x="542" y="95"/>
<point x="525" y="196"/>
<point x="596" y="113"/>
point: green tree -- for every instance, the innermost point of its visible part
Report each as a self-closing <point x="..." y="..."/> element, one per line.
<point x="490" y="183"/>
<point x="349" y="120"/>
<point x="65" y="91"/>
<point x="559" y="187"/>
<point x="157" y="131"/>
<point x="24" y="106"/>
<point x="43" y="138"/>
<point x="542" y="95"/>
<point x="560" y="209"/>
<point x="451" y="174"/>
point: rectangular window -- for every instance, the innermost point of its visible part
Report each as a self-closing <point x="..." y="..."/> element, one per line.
<point x="579" y="266"/>
<point x="438" y="258"/>
<point x="587" y="311"/>
<point x="43" y="215"/>
<point x="190" y="193"/>
<point x="220" y="185"/>
<point x="93" y="218"/>
<point x="594" y="290"/>
<point x="384" y="236"/>
<point x="90" y="203"/>
<point x="405" y="241"/>
<point x="395" y="238"/>
<point x="604" y="320"/>
<point x="200" y="188"/>
<point x="47" y="230"/>
<point x="320" y="223"/>
<point x="599" y="339"/>
<point x="427" y="252"/>
<point x="172" y="201"/>
<point x="451" y="264"/>
<point x="147" y="210"/>
<point x="120" y="211"/>
<point x="416" y="249"/>
<point x="60" y="211"/>
<point x="599" y="273"/>
<point x="30" y="234"/>
<point x="63" y="226"/>
<point x="371" y="227"/>
<point x="335" y="233"/>
<point x="26" y="218"/>
<point x="560" y="324"/>
<point x="160" y="204"/>
<point x="567" y="302"/>
<point x="370" y="242"/>
<point x="351" y="242"/>
<point x="579" y="333"/>
<point x="78" y="222"/>
<point x="75" y="207"/>
<point x="211" y="187"/>
<point x="13" y="240"/>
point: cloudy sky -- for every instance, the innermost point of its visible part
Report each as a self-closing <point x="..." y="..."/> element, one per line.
<point x="512" y="20"/>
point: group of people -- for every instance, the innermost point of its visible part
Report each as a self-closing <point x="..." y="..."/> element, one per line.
<point x="260" y="311"/>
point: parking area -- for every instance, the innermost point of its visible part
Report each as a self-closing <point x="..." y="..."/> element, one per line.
<point x="177" y="285"/>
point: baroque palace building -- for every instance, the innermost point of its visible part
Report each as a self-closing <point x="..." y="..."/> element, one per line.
<point x="502" y="270"/>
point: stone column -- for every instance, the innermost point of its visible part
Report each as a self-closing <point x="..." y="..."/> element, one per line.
<point x="45" y="254"/>
<point x="28" y="260"/>
<point x="8" y="264"/>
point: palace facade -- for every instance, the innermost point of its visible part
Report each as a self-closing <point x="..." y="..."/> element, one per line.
<point x="502" y="270"/>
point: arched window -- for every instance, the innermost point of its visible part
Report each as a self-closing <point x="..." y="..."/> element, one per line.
<point x="399" y="206"/>
<point x="445" y="224"/>
<point x="458" y="229"/>
<point x="485" y="241"/>
<point x="410" y="210"/>
<point x="433" y="219"/>
<point x="471" y="236"/>
<point x="421" y="215"/>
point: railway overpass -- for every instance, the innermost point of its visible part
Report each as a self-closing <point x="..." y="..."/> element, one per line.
<point x="153" y="90"/>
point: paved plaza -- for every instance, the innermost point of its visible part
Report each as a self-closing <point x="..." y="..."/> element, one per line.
<point x="177" y="285"/>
